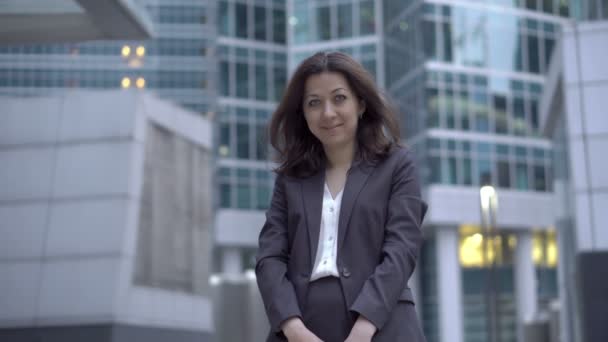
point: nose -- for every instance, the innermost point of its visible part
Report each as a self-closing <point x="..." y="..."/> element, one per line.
<point x="328" y="110"/>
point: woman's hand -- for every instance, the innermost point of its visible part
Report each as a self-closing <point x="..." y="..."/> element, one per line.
<point x="295" y="331"/>
<point x="362" y="331"/>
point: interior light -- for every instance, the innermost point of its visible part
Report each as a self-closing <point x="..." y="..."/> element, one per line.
<point x="126" y="51"/>
<point x="126" y="82"/>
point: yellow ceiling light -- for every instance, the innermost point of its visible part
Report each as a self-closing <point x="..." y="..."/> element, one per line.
<point x="126" y="82"/>
<point x="140" y="51"/>
<point x="140" y="83"/>
<point x="126" y="51"/>
<point x="477" y="239"/>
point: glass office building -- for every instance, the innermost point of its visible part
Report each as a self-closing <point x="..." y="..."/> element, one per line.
<point x="469" y="93"/>
<point x="467" y="77"/>
<point x="178" y="64"/>
<point x="252" y="59"/>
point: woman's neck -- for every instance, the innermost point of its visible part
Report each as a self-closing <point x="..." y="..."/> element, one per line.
<point x="340" y="157"/>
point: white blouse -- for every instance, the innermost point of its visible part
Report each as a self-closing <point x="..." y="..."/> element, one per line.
<point x="327" y="250"/>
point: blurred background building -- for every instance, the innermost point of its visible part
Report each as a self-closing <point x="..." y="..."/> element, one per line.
<point x="106" y="208"/>
<point x="573" y="116"/>
<point x="468" y="78"/>
<point x="252" y="64"/>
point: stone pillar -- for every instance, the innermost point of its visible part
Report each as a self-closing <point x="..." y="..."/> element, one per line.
<point x="449" y="285"/>
<point x="232" y="263"/>
<point x="525" y="282"/>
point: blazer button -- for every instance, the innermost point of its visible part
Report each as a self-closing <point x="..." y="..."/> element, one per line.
<point x="345" y="272"/>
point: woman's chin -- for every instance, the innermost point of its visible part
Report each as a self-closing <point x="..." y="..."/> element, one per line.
<point x="334" y="142"/>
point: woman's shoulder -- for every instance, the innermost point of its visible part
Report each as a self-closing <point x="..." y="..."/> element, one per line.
<point x="400" y="154"/>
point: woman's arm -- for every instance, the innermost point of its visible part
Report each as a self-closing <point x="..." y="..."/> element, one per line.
<point x="277" y="291"/>
<point x="402" y="240"/>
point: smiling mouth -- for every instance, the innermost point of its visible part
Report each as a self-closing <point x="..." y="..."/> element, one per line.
<point x="330" y="128"/>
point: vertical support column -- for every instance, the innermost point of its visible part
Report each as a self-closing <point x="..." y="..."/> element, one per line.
<point x="232" y="263"/>
<point x="525" y="281"/>
<point x="449" y="285"/>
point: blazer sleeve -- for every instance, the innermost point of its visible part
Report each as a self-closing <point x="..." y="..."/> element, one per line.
<point x="402" y="240"/>
<point x="277" y="291"/>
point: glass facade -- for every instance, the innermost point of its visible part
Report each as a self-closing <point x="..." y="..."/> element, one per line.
<point x="589" y="10"/>
<point x="252" y="58"/>
<point x="468" y="162"/>
<point x="483" y="274"/>
<point x="322" y="20"/>
<point x="257" y="20"/>
<point x="430" y="295"/>
<point x="476" y="72"/>
<point x="349" y="26"/>
<point x="468" y="78"/>
<point x="490" y="267"/>
<point x="177" y="65"/>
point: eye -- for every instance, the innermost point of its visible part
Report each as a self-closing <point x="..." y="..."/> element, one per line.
<point x="313" y="102"/>
<point x="340" y="98"/>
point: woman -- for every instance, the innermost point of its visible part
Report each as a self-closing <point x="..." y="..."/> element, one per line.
<point x="342" y="233"/>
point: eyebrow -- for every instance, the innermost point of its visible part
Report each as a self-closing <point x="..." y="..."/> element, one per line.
<point x="333" y="91"/>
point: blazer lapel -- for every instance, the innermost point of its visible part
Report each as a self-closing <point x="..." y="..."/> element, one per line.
<point x="312" y="196"/>
<point x="355" y="181"/>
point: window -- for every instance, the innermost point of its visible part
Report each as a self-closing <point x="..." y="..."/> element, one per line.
<point x="448" y="108"/>
<point x="533" y="54"/>
<point x="534" y="115"/>
<point x="263" y="197"/>
<point x="224" y="21"/>
<point x="466" y="171"/>
<point x="280" y="78"/>
<point x="243" y="196"/>
<point x="260" y="23"/>
<point x="500" y="114"/>
<point x="242" y="140"/>
<point x="429" y="38"/>
<point x="447" y="42"/>
<point x="521" y="176"/>
<point x="241" y="20"/>
<point x="452" y="171"/>
<point x="480" y="112"/>
<point x="435" y="169"/>
<point x="432" y="100"/>
<point x="345" y="20"/>
<point x="225" y="195"/>
<point x="485" y="171"/>
<point x="302" y="27"/>
<point x="519" y="117"/>
<point x="261" y="80"/>
<point x="323" y="23"/>
<point x="262" y="141"/>
<point x="504" y="176"/>
<point x="279" y="28"/>
<point x="224" y="148"/>
<point x="367" y="17"/>
<point x="539" y="178"/>
<point x="224" y="78"/>
<point x="242" y="80"/>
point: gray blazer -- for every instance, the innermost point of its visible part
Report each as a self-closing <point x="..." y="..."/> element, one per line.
<point x="379" y="238"/>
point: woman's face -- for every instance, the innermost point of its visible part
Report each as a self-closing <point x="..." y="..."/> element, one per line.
<point x="331" y="109"/>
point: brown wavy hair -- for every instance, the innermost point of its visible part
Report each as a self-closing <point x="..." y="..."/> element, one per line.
<point x="298" y="152"/>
